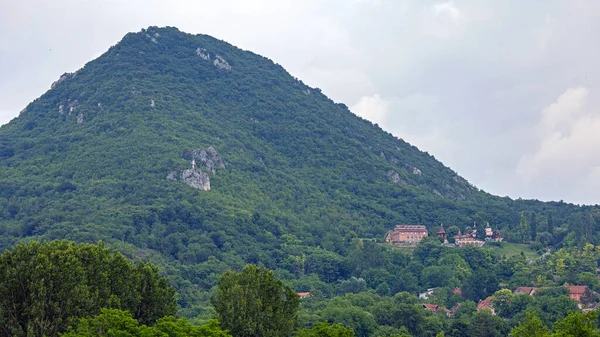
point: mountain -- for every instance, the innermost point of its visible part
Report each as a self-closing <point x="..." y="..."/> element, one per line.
<point x="281" y="172"/>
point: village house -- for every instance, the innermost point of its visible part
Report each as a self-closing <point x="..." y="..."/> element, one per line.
<point x="436" y="308"/>
<point x="407" y="234"/>
<point x="303" y="295"/>
<point x="425" y="295"/>
<point x="580" y="294"/>
<point x="486" y="305"/>
<point x="525" y="290"/>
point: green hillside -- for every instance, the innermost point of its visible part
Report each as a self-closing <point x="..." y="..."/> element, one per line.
<point x="301" y="176"/>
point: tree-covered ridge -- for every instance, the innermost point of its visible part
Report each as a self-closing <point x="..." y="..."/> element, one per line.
<point x="305" y="181"/>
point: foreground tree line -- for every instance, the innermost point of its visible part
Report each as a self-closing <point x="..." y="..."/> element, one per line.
<point x="60" y="288"/>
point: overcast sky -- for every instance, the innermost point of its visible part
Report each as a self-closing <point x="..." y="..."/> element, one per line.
<point x="506" y="93"/>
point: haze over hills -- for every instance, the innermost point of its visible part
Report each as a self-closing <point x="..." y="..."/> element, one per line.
<point x="281" y="172"/>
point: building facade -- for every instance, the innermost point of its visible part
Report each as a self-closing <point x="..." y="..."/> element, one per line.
<point x="407" y="234"/>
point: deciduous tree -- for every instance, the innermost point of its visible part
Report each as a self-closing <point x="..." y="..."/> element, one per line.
<point x="253" y="303"/>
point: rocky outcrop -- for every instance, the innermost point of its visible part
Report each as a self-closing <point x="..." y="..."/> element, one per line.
<point x="417" y="171"/>
<point x="153" y="39"/>
<point x="61" y="79"/>
<point x="393" y="176"/>
<point x="192" y="177"/>
<point x="205" y="158"/>
<point x="202" y="160"/>
<point x="203" y="53"/>
<point x="72" y="105"/>
<point x="220" y="63"/>
<point x="79" y="118"/>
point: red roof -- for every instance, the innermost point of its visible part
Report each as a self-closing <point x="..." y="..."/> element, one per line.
<point x="457" y="291"/>
<point x="485" y="304"/>
<point x="456" y="307"/>
<point x="303" y="295"/>
<point x="526" y="290"/>
<point x="431" y="307"/>
<point x="576" y="289"/>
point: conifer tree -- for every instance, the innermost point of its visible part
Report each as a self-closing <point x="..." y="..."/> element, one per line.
<point x="524" y="226"/>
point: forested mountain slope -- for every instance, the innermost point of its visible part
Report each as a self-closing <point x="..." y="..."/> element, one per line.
<point x="291" y="173"/>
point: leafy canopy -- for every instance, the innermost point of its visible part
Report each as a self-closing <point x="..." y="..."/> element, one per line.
<point x="254" y="303"/>
<point x="46" y="286"/>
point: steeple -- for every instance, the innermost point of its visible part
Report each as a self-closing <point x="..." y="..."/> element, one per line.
<point x="442" y="234"/>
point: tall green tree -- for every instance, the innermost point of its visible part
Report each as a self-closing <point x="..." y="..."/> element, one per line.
<point x="531" y="327"/>
<point x="481" y="230"/>
<point x="45" y="287"/>
<point x="578" y="324"/>
<point x="484" y="324"/>
<point x="254" y="303"/>
<point x="588" y="226"/>
<point x="550" y="224"/>
<point x="524" y="226"/>
<point x="533" y="226"/>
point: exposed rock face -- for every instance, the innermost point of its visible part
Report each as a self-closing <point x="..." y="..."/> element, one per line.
<point x="417" y="171"/>
<point x="62" y="78"/>
<point x="72" y="106"/>
<point x="152" y="103"/>
<point x="192" y="177"/>
<point x="393" y="176"/>
<point x="221" y="63"/>
<point x="61" y="109"/>
<point x="201" y="159"/>
<point x="203" y="53"/>
<point x="80" y="118"/>
<point x="208" y="159"/>
<point x="151" y="38"/>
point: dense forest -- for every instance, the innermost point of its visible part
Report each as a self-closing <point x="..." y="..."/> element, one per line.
<point x="284" y="178"/>
<point x="67" y="289"/>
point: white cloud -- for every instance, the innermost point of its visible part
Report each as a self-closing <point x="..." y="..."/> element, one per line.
<point x="373" y="108"/>
<point x="566" y="162"/>
<point x="447" y="9"/>
<point x="444" y="21"/>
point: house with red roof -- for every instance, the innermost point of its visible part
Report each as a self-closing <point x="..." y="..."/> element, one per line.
<point x="525" y="290"/>
<point x="580" y="294"/>
<point x="303" y="295"/>
<point x="486" y="305"/>
<point x="436" y="308"/>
